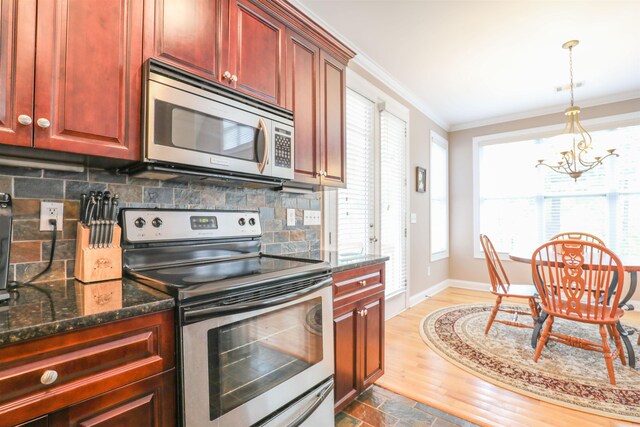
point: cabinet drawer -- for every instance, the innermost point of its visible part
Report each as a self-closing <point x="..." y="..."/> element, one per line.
<point x="352" y="285"/>
<point x="41" y="376"/>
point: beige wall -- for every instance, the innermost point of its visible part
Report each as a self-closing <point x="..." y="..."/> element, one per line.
<point x="420" y="127"/>
<point x="462" y="264"/>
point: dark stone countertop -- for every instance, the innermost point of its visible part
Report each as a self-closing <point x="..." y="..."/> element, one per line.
<point x="342" y="261"/>
<point x="58" y="306"/>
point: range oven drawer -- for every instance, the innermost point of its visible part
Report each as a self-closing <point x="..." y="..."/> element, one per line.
<point x="41" y="376"/>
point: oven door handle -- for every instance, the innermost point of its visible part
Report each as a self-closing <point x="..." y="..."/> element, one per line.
<point x="191" y="316"/>
<point x="320" y="397"/>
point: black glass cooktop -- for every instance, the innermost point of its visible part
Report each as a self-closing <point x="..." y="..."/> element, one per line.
<point x="204" y="278"/>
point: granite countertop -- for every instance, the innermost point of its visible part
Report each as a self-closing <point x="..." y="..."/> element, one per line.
<point x="58" y="306"/>
<point x="342" y="261"/>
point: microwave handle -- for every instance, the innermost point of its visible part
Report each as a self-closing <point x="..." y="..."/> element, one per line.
<point x="191" y="316"/>
<point x="265" y="142"/>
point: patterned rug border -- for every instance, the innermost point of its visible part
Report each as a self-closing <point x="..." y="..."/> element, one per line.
<point x="504" y="385"/>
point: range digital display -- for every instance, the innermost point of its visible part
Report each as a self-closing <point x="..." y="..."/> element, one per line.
<point x="204" y="223"/>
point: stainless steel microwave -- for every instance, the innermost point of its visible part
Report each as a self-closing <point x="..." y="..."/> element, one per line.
<point x="195" y="125"/>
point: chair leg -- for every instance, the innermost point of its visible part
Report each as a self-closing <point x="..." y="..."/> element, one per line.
<point x="544" y="337"/>
<point x="494" y="312"/>
<point x="607" y="355"/>
<point x="534" y="309"/>
<point x="616" y="338"/>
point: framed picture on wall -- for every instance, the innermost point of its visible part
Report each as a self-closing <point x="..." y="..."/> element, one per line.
<point x="421" y="179"/>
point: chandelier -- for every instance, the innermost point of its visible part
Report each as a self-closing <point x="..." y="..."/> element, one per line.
<point x="575" y="161"/>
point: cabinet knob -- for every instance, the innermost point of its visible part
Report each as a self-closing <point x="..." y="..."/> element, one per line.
<point x="234" y="78"/>
<point x="363" y="282"/>
<point x="43" y="123"/>
<point x="226" y="75"/>
<point x="23" y="119"/>
<point x="49" y="377"/>
<point x="366" y="311"/>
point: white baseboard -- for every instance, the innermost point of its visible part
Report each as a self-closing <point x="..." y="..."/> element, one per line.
<point x="467" y="284"/>
<point x="429" y="292"/>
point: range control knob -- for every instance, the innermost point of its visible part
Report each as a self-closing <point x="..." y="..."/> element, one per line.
<point x="242" y="221"/>
<point x="252" y="221"/>
<point x="157" y="222"/>
<point x="140" y="222"/>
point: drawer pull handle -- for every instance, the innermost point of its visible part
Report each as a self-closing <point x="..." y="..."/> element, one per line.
<point x="49" y="377"/>
<point x="363" y="282"/>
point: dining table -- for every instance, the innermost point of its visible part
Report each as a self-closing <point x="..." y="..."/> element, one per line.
<point x="631" y="265"/>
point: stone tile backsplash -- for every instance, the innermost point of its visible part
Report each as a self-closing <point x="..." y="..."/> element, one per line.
<point x="31" y="248"/>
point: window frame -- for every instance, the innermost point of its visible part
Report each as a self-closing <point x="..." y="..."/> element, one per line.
<point x="596" y="124"/>
<point x="437" y="139"/>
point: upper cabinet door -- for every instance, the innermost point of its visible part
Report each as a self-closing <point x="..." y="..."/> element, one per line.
<point x="303" y="65"/>
<point x="333" y="105"/>
<point x="88" y="77"/>
<point x="186" y="33"/>
<point x="17" y="54"/>
<point x="256" y="52"/>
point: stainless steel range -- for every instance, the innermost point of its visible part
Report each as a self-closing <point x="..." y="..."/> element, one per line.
<point x="255" y="331"/>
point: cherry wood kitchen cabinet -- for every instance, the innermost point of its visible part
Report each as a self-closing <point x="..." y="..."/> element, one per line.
<point x="70" y="75"/>
<point x="187" y="34"/>
<point x="316" y="94"/>
<point x="17" y="56"/>
<point x="117" y="371"/>
<point x="234" y="42"/>
<point x="142" y="403"/>
<point x="303" y="67"/>
<point x="358" y="320"/>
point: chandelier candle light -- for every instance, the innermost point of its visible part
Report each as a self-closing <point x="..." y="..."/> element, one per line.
<point x="574" y="162"/>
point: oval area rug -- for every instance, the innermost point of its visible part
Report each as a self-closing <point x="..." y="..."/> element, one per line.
<point x="565" y="376"/>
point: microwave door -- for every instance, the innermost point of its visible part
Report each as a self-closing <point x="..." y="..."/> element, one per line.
<point x="197" y="131"/>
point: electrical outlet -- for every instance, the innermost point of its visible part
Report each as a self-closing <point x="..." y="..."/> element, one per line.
<point x="50" y="210"/>
<point x="312" y="217"/>
<point x="414" y="218"/>
<point x="291" y="217"/>
<point x="428" y="271"/>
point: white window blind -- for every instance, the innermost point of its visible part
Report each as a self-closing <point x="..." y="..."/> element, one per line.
<point x="393" y="226"/>
<point x="520" y="204"/>
<point x="439" y="191"/>
<point x="356" y="203"/>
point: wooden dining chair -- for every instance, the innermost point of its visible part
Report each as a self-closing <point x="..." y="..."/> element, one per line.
<point x="573" y="278"/>
<point x="578" y="235"/>
<point x="503" y="288"/>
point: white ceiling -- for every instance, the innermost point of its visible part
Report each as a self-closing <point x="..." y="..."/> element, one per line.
<point x="467" y="63"/>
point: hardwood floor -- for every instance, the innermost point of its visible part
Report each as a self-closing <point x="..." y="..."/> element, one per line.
<point x="414" y="370"/>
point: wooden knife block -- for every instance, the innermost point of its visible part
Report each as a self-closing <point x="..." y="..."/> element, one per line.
<point x="97" y="264"/>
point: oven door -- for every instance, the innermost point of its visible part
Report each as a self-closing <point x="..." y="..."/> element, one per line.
<point x="191" y="129"/>
<point x="240" y="368"/>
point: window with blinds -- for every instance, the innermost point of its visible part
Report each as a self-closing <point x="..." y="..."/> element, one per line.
<point x="356" y="203"/>
<point x="520" y="204"/>
<point x="439" y="192"/>
<point x="393" y="197"/>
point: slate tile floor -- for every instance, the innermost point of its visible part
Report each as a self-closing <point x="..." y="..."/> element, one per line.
<point x="378" y="407"/>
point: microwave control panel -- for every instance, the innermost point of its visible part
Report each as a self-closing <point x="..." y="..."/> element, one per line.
<point x="283" y="148"/>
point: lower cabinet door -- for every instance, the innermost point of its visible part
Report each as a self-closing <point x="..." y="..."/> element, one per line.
<point x="345" y="327"/>
<point x="149" y="402"/>
<point x="373" y="339"/>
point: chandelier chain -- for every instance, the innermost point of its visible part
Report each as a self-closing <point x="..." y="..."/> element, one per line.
<point x="571" y="72"/>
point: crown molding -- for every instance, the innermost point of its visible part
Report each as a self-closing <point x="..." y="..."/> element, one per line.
<point x="376" y="70"/>
<point x="619" y="97"/>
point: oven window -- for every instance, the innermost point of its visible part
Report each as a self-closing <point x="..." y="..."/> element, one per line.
<point x="249" y="357"/>
<point x="192" y="130"/>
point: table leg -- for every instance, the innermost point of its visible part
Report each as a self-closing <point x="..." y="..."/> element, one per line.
<point x="624" y="335"/>
<point x="537" y="328"/>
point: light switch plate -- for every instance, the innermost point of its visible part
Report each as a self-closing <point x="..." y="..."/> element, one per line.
<point x="414" y="218"/>
<point x="291" y="217"/>
<point x="312" y="217"/>
<point x="51" y="210"/>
